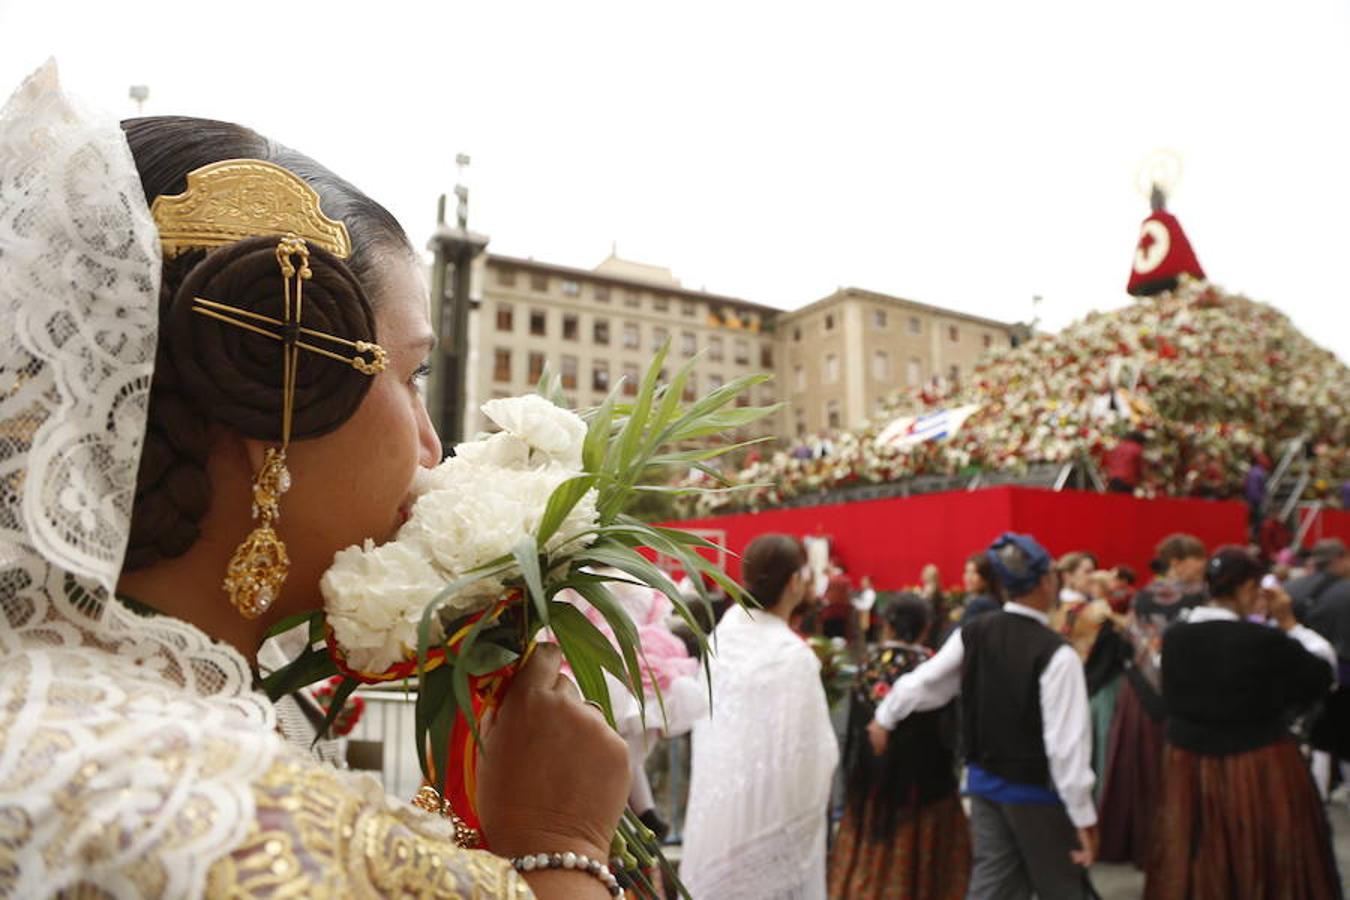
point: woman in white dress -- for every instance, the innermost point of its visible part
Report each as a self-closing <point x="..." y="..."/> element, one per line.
<point x="137" y="757"/>
<point x="763" y="763"/>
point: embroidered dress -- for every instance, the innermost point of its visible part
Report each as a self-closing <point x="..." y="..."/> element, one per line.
<point x="904" y="834"/>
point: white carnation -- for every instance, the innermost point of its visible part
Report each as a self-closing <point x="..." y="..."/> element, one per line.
<point x="475" y="507"/>
<point x="374" y="597"/>
<point x="503" y="450"/>
<point x="555" y="432"/>
<point x="476" y="515"/>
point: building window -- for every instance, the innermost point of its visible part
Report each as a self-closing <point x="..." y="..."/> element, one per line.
<point x="538" y="362"/>
<point x="913" y="371"/>
<point x="600" y="375"/>
<point x="631" y="298"/>
<point x="766" y="396"/>
<point x="688" y="343"/>
<point x="602" y="293"/>
<point x="715" y="348"/>
<point x="881" y="366"/>
<point x="954" y="373"/>
<point x="506" y="319"/>
<point x="915" y="325"/>
<point x="796" y="335"/>
<point x="630" y="379"/>
<point x="832" y="418"/>
<point x="878" y="318"/>
<point x="569" y="373"/>
<point x="690" y="388"/>
<point x="741" y="350"/>
<point x="831" y="369"/>
<point x="801" y="426"/>
<point x="688" y="308"/>
<point x="988" y="340"/>
<point x="661" y="303"/>
<point x="742" y="399"/>
<point x="659" y="337"/>
<point x="506" y="276"/>
<point x="571" y="328"/>
<point x="766" y="356"/>
<point x="799" y="378"/>
<point x="953" y="334"/>
<point x="829" y="321"/>
<point x="600" y="331"/>
<point x="631" y="339"/>
<point x="714" y="382"/>
<point x="538" y="281"/>
<point x="501" y="365"/>
<point x="538" y="322"/>
<point x="570" y="288"/>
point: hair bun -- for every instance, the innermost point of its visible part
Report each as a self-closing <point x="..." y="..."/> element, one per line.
<point x="235" y="374"/>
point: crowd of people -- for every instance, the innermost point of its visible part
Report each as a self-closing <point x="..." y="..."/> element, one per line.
<point x="998" y="746"/>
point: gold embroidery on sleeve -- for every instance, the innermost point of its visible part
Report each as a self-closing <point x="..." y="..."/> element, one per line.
<point x="319" y="833"/>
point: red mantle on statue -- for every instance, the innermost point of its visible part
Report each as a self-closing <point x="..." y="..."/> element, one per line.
<point x="893" y="539"/>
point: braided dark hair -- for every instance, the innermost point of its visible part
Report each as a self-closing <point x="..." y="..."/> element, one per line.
<point x="208" y="373"/>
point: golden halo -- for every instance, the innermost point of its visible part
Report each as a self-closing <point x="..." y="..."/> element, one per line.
<point x="1161" y="167"/>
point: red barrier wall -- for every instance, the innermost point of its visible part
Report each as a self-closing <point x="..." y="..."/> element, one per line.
<point x="893" y="539"/>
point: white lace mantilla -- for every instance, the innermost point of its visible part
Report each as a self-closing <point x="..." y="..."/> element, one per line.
<point x="128" y="746"/>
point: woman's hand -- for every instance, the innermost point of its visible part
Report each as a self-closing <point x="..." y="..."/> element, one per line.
<point x="552" y="776"/>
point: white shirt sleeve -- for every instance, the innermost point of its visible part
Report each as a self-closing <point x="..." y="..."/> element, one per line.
<point x="1314" y="643"/>
<point x="930" y="686"/>
<point x="1067" y="730"/>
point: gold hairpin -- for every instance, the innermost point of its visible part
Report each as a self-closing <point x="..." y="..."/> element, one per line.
<point x="259" y="566"/>
<point x="377" y="363"/>
<point x="234" y="199"/>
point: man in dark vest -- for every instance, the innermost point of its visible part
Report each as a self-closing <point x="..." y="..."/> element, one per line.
<point x="1026" y="730"/>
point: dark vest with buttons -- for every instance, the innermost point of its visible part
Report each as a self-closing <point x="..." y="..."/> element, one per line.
<point x="1005" y="654"/>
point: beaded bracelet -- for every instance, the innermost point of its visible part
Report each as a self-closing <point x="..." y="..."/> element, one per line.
<point x="575" y="861"/>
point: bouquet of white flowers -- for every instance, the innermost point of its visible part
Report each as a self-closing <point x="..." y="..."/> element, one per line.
<point x="498" y="530"/>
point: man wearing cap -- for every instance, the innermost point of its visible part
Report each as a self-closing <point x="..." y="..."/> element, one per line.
<point x="1026" y="729"/>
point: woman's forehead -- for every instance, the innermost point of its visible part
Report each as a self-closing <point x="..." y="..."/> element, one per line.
<point x="402" y="305"/>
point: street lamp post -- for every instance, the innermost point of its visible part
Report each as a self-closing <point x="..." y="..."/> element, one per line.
<point x="454" y="250"/>
<point x="139" y="93"/>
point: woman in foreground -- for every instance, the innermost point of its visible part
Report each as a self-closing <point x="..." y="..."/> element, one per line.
<point x="136" y="756"/>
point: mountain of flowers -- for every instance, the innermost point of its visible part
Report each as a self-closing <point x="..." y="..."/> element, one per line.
<point x="1209" y="378"/>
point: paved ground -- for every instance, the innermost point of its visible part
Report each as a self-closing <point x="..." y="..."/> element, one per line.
<point x="1125" y="883"/>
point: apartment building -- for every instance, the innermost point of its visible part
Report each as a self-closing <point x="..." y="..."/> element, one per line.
<point x="595" y="326"/>
<point x="844" y="354"/>
<point x="834" y="360"/>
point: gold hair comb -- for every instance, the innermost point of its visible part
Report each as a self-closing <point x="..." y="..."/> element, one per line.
<point x="234" y="199"/>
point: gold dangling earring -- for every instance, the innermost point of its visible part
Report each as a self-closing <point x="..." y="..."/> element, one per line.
<point x="259" y="566"/>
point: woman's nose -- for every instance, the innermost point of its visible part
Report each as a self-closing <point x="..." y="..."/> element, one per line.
<point x="429" y="442"/>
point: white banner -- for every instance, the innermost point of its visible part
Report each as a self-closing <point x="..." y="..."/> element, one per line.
<point x="908" y="431"/>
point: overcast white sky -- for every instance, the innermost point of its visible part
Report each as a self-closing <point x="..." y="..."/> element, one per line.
<point x="963" y="154"/>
